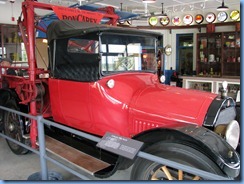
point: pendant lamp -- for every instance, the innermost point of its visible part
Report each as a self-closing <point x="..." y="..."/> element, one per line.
<point x="223" y="7"/>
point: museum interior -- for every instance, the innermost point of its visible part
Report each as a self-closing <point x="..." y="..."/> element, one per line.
<point x="112" y="81"/>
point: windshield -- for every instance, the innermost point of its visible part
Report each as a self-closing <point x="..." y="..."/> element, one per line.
<point x="127" y="53"/>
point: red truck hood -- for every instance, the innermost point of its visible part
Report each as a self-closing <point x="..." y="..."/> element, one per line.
<point x="173" y="104"/>
<point x="151" y="104"/>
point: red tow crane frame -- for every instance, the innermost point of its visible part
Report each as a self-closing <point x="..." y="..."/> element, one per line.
<point x="27" y="88"/>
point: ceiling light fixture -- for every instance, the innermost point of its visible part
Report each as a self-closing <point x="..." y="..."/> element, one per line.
<point x="223" y="7"/>
<point x="149" y="1"/>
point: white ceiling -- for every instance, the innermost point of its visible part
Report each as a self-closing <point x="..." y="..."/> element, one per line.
<point x="137" y="5"/>
<point x="171" y="7"/>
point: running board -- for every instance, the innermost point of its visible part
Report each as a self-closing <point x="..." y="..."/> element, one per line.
<point x="75" y="157"/>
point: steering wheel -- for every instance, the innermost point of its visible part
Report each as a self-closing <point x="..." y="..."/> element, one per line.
<point x="125" y="63"/>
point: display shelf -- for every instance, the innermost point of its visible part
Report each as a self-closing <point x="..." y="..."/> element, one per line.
<point x="213" y="85"/>
<point x="218" y="54"/>
<point x="231" y="54"/>
<point x="232" y="89"/>
<point x="199" y="85"/>
<point x="12" y="44"/>
<point x="209" y="54"/>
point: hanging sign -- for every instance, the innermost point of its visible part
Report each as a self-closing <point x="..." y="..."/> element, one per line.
<point x="64" y="13"/>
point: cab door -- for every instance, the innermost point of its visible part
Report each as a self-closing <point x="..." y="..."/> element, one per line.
<point x="70" y="103"/>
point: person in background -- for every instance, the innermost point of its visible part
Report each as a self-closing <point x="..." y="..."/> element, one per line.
<point x="6" y="62"/>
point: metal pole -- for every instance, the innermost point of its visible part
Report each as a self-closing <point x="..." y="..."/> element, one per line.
<point x="189" y="169"/>
<point x="42" y="148"/>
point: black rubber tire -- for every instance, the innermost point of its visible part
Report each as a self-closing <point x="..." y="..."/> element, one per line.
<point x="13" y="129"/>
<point x="146" y="170"/>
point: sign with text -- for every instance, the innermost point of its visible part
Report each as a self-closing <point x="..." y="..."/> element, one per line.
<point x="64" y="13"/>
<point x="123" y="146"/>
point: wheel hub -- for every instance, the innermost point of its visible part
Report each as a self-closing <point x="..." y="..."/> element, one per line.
<point x="11" y="127"/>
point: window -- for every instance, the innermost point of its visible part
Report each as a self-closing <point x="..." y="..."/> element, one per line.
<point x="82" y="46"/>
<point x="184" y="58"/>
<point x="76" y="59"/>
<point x="127" y="53"/>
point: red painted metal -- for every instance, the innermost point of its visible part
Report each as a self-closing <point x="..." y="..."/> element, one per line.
<point x="136" y="103"/>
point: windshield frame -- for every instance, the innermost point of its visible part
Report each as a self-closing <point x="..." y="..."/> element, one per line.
<point x="101" y="52"/>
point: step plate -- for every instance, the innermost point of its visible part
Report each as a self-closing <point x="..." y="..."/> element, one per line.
<point x="83" y="161"/>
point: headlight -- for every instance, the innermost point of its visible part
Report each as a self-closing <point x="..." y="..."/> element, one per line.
<point x="232" y="133"/>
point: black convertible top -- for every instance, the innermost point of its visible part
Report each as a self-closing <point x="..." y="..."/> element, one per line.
<point x="67" y="28"/>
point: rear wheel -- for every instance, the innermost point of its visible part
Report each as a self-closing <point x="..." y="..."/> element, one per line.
<point x="13" y="128"/>
<point x="148" y="170"/>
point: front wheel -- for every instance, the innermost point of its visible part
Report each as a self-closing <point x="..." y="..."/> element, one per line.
<point x="148" y="170"/>
<point x="13" y="128"/>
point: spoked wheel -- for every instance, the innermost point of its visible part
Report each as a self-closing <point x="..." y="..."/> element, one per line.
<point x="168" y="173"/>
<point x="148" y="170"/>
<point x="13" y="129"/>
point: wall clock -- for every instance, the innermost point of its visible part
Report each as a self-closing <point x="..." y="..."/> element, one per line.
<point x="222" y="16"/>
<point x="210" y="17"/>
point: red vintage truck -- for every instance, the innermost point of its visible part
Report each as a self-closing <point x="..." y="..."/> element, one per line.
<point x="103" y="78"/>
